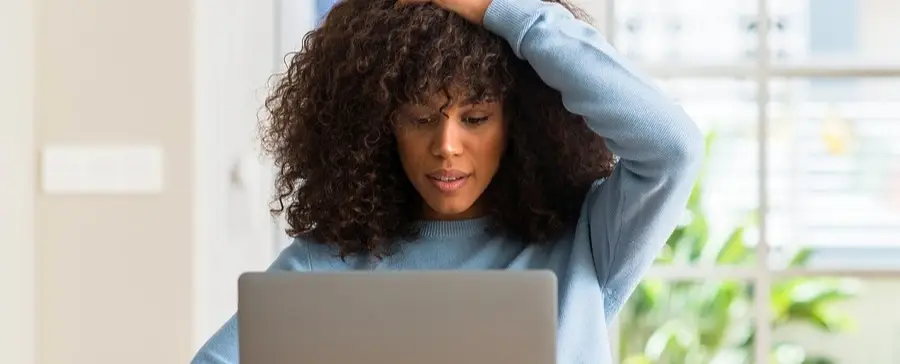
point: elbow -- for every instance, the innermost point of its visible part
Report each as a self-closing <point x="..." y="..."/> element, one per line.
<point x="689" y="150"/>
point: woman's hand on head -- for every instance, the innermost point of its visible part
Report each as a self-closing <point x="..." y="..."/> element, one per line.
<point x="471" y="10"/>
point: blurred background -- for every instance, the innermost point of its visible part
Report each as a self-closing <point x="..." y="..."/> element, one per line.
<point x="132" y="192"/>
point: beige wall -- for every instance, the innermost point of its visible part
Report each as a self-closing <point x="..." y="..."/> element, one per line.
<point x="138" y="279"/>
<point x="16" y="182"/>
<point x="114" y="273"/>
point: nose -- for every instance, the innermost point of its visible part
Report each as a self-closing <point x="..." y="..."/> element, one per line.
<point x="447" y="142"/>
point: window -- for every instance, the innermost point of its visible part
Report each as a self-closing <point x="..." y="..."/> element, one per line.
<point x="794" y="241"/>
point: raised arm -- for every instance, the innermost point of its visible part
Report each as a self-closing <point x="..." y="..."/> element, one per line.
<point x="660" y="148"/>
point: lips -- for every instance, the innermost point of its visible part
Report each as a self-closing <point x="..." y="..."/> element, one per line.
<point x="448" y="180"/>
<point x="445" y="174"/>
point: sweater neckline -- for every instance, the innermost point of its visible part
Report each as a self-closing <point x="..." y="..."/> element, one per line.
<point x="453" y="228"/>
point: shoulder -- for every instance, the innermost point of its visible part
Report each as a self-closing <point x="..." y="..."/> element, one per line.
<point x="304" y="253"/>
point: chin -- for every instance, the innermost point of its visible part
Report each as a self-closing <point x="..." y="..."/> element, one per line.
<point x="448" y="209"/>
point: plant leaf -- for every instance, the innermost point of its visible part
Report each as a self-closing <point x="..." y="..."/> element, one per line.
<point x="819" y="360"/>
<point x="787" y="353"/>
<point x="646" y="298"/>
<point x="696" y="235"/>
<point x="734" y="251"/>
<point x="637" y="359"/>
<point x="801" y="258"/>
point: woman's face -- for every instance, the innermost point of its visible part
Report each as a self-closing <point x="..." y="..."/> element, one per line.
<point x="451" y="155"/>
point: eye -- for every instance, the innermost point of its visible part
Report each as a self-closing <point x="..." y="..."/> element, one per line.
<point x="423" y="120"/>
<point x="476" y="120"/>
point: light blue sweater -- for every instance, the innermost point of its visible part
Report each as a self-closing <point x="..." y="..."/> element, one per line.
<point x="624" y="221"/>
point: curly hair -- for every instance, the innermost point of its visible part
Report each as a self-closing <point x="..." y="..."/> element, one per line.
<point x="330" y="128"/>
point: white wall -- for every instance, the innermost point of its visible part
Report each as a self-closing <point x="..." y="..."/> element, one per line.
<point x="17" y="87"/>
<point x="234" y="57"/>
<point x="294" y="18"/>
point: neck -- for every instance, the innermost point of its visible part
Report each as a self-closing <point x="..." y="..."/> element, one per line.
<point x="473" y="212"/>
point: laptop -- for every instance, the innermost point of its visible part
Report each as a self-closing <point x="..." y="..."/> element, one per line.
<point x="421" y="317"/>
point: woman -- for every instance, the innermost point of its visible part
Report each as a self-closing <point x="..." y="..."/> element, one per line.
<point x="473" y="134"/>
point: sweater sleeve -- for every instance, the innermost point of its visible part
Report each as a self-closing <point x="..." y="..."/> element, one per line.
<point x="222" y="347"/>
<point x="631" y="213"/>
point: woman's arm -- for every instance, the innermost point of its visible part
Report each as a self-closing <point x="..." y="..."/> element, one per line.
<point x="660" y="148"/>
<point x="222" y="347"/>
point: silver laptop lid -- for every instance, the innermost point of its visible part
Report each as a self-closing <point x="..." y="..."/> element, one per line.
<point x="433" y="317"/>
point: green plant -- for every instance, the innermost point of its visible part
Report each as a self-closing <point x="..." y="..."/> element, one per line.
<point x="710" y="321"/>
